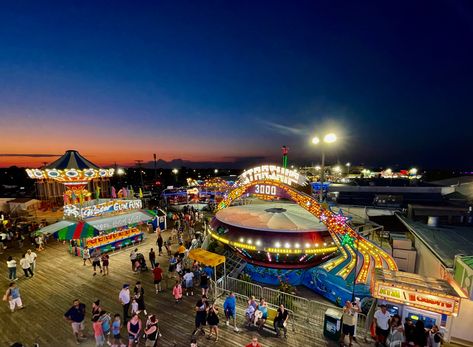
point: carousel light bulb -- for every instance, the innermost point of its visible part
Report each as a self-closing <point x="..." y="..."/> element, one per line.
<point x="258" y="243"/>
<point x="277" y="244"/>
<point x="297" y="245"/>
<point x="242" y="239"/>
<point x="307" y="245"/>
<point x="287" y="245"/>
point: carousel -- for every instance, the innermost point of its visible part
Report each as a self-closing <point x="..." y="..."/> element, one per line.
<point x="107" y="221"/>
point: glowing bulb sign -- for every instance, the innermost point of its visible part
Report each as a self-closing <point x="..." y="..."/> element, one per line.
<point x="272" y="172"/>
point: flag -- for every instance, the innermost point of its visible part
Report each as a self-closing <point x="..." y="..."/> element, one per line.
<point x="97" y="193"/>
<point x="131" y="193"/>
<point x="73" y="197"/>
<point x="81" y="198"/>
<point x="124" y="192"/>
<point x="114" y="193"/>
<point x="141" y="194"/>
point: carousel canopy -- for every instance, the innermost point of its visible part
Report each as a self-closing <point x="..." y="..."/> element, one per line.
<point x="71" y="160"/>
<point x="70" y="168"/>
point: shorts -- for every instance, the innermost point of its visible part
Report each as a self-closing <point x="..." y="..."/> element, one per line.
<point x="77" y="327"/>
<point x="15" y="302"/>
<point x="157" y="281"/>
<point x="230" y="313"/>
<point x="200" y="320"/>
<point x="205" y="286"/>
<point x="117" y="336"/>
<point x="96" y="263"/>
<point x="132" y="338"/>
<point x="382" y="332"/>
<point x="348" y="329"/>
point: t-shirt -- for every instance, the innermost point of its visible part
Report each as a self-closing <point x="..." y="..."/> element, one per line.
<point x="152" y="255"/>
<point x="11" y="263"/>
<point x="31" y="257"/>
<point x="76" y="314"/>
<point x="98" y="330"/>
<point x="124" y="296"/>
<point x="251" y="345"/>
<point x="105" y="319"/>
<point x="383" y="319"/>
<point x="158" y="273"/>
<point x="204" y="280"/>
<point x="116" y="327"/>
<point x="349" y="317"/>
<point x="230" y="303"/>
<point x="181" y="249"/>
<point x="24" y="263"/>
<point x="282" y="316"/>
<point x="188" y="277"/>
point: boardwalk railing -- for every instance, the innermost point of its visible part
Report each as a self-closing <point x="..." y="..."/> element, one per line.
<point x="306" y="315"/>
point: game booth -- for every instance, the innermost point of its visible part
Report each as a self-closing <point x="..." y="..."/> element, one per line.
<point x="434" y="301"/>
<point x="105" y="224"/>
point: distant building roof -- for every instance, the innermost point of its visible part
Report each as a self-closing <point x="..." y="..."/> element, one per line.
<point x="444" y="241"/>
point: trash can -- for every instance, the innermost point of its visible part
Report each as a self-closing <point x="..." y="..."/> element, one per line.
<point x="332" y="324"/>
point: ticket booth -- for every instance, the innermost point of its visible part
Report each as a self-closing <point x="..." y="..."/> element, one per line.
<point x="431" y="300"/>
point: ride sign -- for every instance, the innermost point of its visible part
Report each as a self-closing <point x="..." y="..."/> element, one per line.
<point x="268" y="190"/>
<point x="273" y="172"/>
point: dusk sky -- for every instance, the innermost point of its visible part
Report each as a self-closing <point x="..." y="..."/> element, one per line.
<point x="230" y="80"/>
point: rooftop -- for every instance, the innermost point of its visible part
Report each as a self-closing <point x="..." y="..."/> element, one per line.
<point x="444" y="241"/>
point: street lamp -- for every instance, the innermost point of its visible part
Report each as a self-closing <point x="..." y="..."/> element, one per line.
<point x="348" y="168"/>
<point x="175" y="172"/>
<point x="328" y="138"/>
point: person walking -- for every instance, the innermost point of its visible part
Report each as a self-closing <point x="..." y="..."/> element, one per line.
<point x="435" y="337"/>
<point x="31" y="257"/>
<point x="381" y="320"/>
<point x="167" y="245"/>
<point x="349" y="322"/>
<point x="177" y="291"/>
<point x="281" y="321"/>
<point x="189" y="282"/>
<point x="106" y="319"/>
<point x="229" y="307"/>
<point x="11" y="264"/>
<point x="12" y="295"/>
<point x="96" y="309"/>
<point x="152" y="331"/>
<point x="201" y="309"/>
<point x="116" y="328"/>
<point x="98" y="332"/>
<point x="133" y="255"/>
<point x="124" y="298"/>
<point x="105" y="263"/>
<point x="86" y="255"/>
<point x="25" y="265"/>
<point x="152" y="258"/>
<point x="204" y="283"/>
<point x="157" y="277"/>
<point x="139" y="295"/>
<point x="420" y="335"/>
<point x="213" y="320"/>
<point x="134" y="327"/>
<point x="96" y="255"/>
<point x="254" y="342"/>
<point x="76" y="315"/>
<point x="160" y="242"/>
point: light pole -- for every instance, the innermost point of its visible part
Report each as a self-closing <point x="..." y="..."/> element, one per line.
<point x="348" y="169"/>
<point x="329" y="138"/>
<point x="175" y="172"/>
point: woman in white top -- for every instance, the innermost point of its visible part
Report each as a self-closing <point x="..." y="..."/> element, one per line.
<point x="11" y="264"/>
<point x="25" y="265"/>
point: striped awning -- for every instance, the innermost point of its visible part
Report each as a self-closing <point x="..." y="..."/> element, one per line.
<point x="79" y="230"/>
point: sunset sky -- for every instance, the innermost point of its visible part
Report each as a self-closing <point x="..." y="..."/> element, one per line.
<point x="223" y="81"/>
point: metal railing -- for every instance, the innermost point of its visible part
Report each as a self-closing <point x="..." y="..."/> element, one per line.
<point x="305" y="314"/>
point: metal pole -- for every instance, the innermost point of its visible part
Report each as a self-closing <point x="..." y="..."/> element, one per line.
<point x="356" y="268"/>
<point x="322" y="177"/>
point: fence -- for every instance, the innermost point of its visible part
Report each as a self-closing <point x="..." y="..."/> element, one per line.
<point x="305" y="314"/>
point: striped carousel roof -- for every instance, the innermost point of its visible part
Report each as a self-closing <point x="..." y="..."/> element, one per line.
<point x="71" y="160"/>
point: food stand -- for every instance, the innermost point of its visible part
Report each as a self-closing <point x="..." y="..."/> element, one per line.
<point x="417" y="297"/>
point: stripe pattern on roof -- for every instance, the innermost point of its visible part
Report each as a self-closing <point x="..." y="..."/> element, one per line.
<point x="72" y="160"/>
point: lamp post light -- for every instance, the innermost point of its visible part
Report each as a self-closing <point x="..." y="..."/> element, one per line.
<point x="175" y="172"/>
<point x="348" y="168"/>
<point x="329" y="138"/>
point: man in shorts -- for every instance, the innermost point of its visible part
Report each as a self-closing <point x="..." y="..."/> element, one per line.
<point x="382" y="319"/>
<point x="76" y="315"/>
<point x="229" y="307"/>
<point x="349" y="322"/>
<point x="96" y="260"/>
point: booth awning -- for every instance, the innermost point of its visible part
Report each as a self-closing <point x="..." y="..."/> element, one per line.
<point x="66" y="230"/>
<point x="118" y="221"/>
<point x="206" y="257"/>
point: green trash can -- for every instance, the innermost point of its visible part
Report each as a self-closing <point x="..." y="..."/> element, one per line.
<point x="333" y="324"/>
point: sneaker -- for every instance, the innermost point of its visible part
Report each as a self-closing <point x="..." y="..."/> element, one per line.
<point x="236" y="330"/>
<point x="227" y="323"/>
<point x="95" y="274"/>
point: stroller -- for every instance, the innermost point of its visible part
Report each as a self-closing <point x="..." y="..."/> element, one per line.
<point x="140" y="263"/>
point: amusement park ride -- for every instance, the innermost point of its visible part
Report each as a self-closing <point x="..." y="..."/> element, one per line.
<point x="332" y="267"/>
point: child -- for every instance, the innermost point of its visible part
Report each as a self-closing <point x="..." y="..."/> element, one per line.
<point x="105" y="319"/>
<point x="134" y="307"/>
<point x="98" y="332"/>
<point x="177" y="291"/>
<point x="193" y="342"/>
<point x="116" y="327"/>
<point x="189" y="282"/>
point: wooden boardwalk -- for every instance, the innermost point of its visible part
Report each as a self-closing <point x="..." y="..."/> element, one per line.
<point x="61" y="277"/>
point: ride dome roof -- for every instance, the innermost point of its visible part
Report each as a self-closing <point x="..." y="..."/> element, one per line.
<point x="71" y="160"/>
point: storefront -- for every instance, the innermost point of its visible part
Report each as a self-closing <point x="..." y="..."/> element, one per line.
<point x="417" y="297"/>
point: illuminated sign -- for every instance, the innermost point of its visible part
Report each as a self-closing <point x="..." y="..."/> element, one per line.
<point x="427" y="301"/>
<point x="272" y="172"/>
<point x="101" y="209"/>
